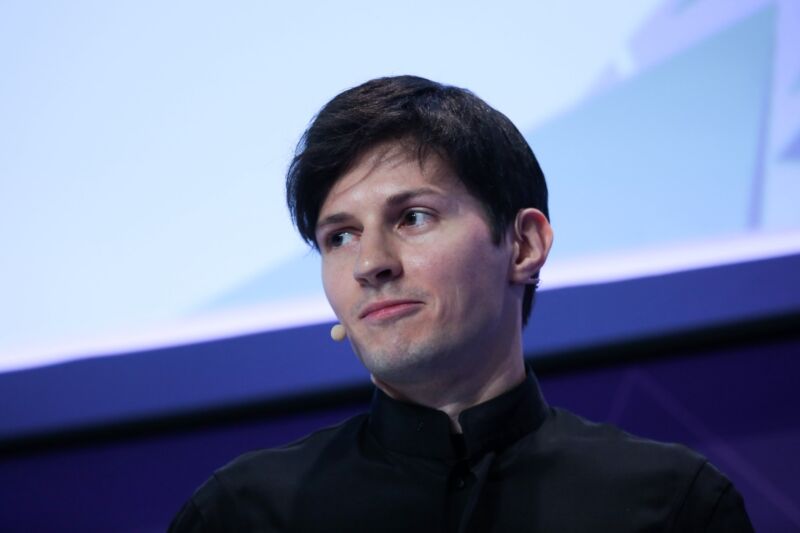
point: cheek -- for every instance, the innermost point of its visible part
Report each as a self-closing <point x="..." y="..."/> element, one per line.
<point x="334" y="282"/>
<point x="462" y="277"/>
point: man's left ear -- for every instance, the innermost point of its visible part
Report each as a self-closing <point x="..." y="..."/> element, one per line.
<point x="531" y="239"/>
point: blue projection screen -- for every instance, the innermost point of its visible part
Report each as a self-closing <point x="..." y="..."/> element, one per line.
<point x="144" y="146"/>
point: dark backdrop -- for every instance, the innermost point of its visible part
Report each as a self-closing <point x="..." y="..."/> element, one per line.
<point x="731" y="393"/>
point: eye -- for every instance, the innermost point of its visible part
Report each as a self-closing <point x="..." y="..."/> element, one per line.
<point x="415" y="218"/>
<point x="338" y="239"/>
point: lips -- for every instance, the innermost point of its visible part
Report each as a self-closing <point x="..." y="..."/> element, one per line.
<point x="388" y="309"/>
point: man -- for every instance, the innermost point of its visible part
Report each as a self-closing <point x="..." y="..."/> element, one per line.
<point x="429" y="210"/>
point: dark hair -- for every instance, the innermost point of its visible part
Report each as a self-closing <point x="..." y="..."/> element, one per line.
<point x="486" y="151"/>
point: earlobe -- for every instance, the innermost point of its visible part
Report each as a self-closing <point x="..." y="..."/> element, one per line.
<point x="532" y="237"/>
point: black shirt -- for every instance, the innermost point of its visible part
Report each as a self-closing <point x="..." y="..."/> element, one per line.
<point x="519" y="465"/>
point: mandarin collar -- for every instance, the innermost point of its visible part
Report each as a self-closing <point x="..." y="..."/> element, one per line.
<point x="490" y="426"/>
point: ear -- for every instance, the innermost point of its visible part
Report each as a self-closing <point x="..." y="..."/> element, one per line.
<point x="531" y="239"/>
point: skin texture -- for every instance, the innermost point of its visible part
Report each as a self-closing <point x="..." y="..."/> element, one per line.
<point x="430" y="304"/>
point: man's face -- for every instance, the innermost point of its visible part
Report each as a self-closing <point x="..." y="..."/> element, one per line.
<point x="410" y="269"/>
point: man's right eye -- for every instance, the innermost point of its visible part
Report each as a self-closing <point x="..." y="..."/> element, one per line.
<point x="339" y="239"/>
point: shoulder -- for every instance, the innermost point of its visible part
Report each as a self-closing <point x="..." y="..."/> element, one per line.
<point x="665" y="480"/>
<point x="260" y="480"/>
<point x="605" y="444"/>
<point x="291" y="460"/>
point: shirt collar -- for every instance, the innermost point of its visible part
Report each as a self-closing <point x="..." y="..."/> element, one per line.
<point x="490" y="426"/>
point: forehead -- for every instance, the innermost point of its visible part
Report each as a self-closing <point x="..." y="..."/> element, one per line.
<point x="387" y="169"/>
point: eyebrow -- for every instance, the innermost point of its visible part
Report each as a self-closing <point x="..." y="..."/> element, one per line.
<point x="403" y="197"/>
<point x="392" y="201"/>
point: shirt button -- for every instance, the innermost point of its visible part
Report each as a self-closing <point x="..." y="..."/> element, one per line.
<point x="460" y="483"/>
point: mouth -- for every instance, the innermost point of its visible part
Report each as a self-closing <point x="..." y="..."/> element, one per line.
<point x="388" y="309"/>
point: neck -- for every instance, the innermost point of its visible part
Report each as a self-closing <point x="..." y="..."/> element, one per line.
<point x="455" y="393"/>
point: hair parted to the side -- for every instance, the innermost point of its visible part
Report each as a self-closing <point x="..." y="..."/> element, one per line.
<point x="486" y="151"/>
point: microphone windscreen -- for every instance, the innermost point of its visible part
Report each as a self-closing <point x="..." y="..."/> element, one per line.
<point x="338" y="333"/>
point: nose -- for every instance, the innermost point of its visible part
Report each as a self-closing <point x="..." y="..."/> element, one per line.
<point x="377" y="263"/>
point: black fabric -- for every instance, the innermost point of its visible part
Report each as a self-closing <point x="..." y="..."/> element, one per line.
<point x="519" y="466"/>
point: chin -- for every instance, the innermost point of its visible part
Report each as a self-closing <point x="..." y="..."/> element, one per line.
<point x="409" y="363"/>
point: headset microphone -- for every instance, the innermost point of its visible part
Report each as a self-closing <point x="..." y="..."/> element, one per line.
<point x="338" y="333"/>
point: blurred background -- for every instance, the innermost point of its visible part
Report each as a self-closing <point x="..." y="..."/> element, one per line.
<point x="159" y="315"/>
